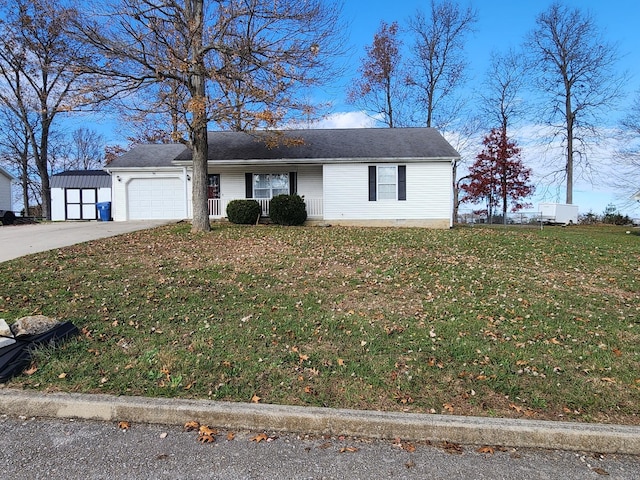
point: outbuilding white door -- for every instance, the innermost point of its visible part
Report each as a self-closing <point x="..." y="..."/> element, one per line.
<point x="155" y="198"/>
<point x="80" y="203"/>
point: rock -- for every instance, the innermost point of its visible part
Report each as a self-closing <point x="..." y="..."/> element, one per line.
<point x="33" y="325"/>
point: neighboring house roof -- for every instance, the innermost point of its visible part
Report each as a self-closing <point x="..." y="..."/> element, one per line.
<point x="6" y="174"/>
<point x="81" y="179"/>
<point x="322" y="145"/>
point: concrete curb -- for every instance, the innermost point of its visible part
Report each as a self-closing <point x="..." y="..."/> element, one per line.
<point x="311" y="420"/>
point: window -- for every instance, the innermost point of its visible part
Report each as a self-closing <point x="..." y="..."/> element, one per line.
<point x="268" y="185"/>
<point x="387" y="182"/>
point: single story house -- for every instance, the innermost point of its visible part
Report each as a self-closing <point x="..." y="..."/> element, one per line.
<point x="6" y="201"/>
<point x="382" y="176"/>
<point x="74" y="194"/>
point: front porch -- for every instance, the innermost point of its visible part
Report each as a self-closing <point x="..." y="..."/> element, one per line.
<point x="218" y="207"/>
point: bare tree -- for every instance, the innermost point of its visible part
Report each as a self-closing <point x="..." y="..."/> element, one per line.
<point x="37" y="61"/>
<point x="439" y="61"/>
<point x="575" y="71"/>
<point x="87" y="149"/>
<point x="501" y="100"/>
<point x="625" y="175"/>
<point x="381" y="87"/>
<point x="272" y="51"/>
<point x="15" y="153"/>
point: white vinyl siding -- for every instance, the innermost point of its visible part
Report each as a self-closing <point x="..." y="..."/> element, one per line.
<point x="5" y="192"/>
<point x="346" y="193"/>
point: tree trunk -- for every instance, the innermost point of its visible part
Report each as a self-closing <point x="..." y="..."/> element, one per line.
<point x="200" y="153"/>
<point x="456" y="194"/>
<point x="569" y="166"/>
<point x="199" y="139"/>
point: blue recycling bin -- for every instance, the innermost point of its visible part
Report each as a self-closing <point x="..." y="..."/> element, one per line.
<point x="104" y="211"/>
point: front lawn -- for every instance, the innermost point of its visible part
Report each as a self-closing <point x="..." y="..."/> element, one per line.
<point x="502" y="322"/>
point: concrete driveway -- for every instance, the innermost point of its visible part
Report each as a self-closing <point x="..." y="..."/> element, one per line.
<point x="19" y="240"/>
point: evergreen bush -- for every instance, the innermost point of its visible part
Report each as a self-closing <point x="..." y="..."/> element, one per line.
<point x="288" y="210"/>
<point x="245" y="212"/>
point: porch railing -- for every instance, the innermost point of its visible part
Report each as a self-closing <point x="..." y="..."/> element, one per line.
<point x="218" y="207"/>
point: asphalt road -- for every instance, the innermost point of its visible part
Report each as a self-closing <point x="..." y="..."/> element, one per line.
<point x="33" y="448"/>
<point x="19" y="240"/>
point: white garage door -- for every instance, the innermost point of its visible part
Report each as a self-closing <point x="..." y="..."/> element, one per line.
<point x="156" y="198"/>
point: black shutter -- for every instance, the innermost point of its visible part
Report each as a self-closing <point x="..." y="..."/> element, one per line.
<point x="372" y="183"/>
<point x="402" y="182"/>
<point x="248" y="185"/>
<point x="293" y="183"/>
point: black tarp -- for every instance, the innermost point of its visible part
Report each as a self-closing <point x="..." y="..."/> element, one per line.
<point x="16" y="357"/>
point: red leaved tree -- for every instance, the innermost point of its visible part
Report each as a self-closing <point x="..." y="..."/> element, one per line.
<point x="381" y="87"/>
<point x="498" y="176"/>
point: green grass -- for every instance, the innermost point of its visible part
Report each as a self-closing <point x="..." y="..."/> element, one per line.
<point x="471" y="321"/>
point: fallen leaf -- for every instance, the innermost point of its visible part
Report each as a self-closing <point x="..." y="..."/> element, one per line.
<point x="450" y="447"/>
<point x="62" y="375"/>
<point x="259" y="438"/>
<point x="325" y="445"/>
<point x="340" y="362"/>
<point x="303" y="357"/>
<point x="190" y="426"/>
<point x="349" y="449"/>
<point x="206" y="438"/>
<point x="205" y="430"/>
<point x="31" y="370"/>
<point x="608" y="380"/>
<point x="616" y="352"/>
<point x="600" y="471"/>
<point x="448" y="407"/>
<point x="256" y="399"/>
<point x="515" y="407"/>
<point x="409" y="447"/>
<point x="487" y="450"/>
<point x="124" y="425"/>
<point x="230" y="436"/>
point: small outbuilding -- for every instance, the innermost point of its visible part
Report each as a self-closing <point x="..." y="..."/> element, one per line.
<point x="74" y="194"/>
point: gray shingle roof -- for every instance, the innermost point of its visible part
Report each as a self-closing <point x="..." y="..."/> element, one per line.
<point x="81" y="179"/>
<point x="151" y="155"/>
<point x="329" y="144"/>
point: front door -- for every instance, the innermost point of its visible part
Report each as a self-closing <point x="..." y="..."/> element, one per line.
<point x="213" y="194"/>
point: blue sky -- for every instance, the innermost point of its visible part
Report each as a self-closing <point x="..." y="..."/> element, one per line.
<point x="503" y="24"/>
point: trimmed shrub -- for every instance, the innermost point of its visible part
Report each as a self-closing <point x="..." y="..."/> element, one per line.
<point x="287" y="210"/>
<point x="245" y="212"/>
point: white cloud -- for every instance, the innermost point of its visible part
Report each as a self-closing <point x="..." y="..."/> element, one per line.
<point x="357" y="119"/>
